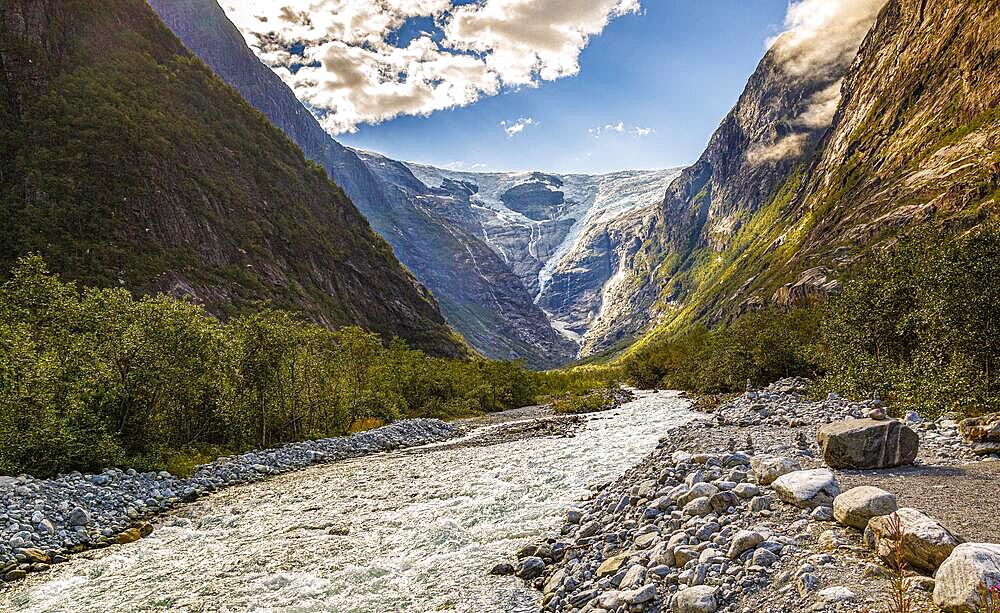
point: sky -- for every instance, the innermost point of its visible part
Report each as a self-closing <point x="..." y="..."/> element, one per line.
<point x="506" y="85"/>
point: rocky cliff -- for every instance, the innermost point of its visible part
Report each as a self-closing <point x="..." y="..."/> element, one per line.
<point x="125" y="161"/>
<point x="811" y="170"/>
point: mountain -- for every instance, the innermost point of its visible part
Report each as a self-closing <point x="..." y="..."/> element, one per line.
<point x="566" y="237"/>
<point x="477" y="293"/>
<point x="126" y="161"/>
<point x="487" y="268"/>
<point x="809" y="171"/>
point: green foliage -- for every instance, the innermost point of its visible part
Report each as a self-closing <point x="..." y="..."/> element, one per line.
<point x="759" y="347"/>
<point x="920" y="325"/>
<point x="96" y="377"/>
<point x="590" y="401"/>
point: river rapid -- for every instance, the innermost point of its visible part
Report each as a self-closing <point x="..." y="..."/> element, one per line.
<point x="423" y="528"/>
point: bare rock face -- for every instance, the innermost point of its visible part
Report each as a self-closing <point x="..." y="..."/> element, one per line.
<point x="958" y="583"/>
<point x="867" y="443"/>
<point x="926" y="544"/>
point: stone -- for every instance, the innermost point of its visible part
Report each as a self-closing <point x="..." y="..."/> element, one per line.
<point x="746" y="490"/>
<point x="822" y="513"/>
<point x="744" y="540"/>
<point x="502" y="569"/>
<point x="836" y="593"/>
<point x="698" y="599"/>
<point x="759" y="504"/>
<point x="645" y="541"/>
<point x="530" y="568"/>
<point x="867" y="444"/>
<point x="78" y="517"/>
<point x="769" y="468"/>
<point x="612" y="565"/>
<point x="128" y="536"/>
<point x="763" y="557"/>
<point x="878" y="414"/>
<point x="981" y="429"/>
<point x="699" y="507"/>
<point x="633" y="577"/>
<point x="698" y="490"/>
<point x="856" y="506"/>
<point x="926" y="544"/>
<point x="807" y="489"/>
<point x="554" y="582"/>
<point x="641" y="595"/>
<point x="958" y="581"/>
<point x="15" y="575"/>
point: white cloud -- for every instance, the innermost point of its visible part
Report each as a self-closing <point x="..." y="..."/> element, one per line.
<point x="787" y="147"/>
<point x="822" y="37"/>
<point x="822" y="107"/>
<point x="516" y="127"/>
<point x="620" y="128"/>
<point x="335" y="54"/>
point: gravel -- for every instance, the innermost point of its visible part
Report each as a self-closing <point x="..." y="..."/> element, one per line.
<point x="695" y="529"/>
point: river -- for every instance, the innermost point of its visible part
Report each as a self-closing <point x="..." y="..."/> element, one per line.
<point x="423" y="526"/>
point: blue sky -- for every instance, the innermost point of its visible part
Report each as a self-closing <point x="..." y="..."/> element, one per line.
<point x="676" y="68"/>
<point x="515" y="84"/>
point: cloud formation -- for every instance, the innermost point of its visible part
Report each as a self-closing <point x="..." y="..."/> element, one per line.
<point x="513" y="128"/>
<point x="619" y="128"/>
<point x="336" y="54"/>
<point x="822" y="37"/>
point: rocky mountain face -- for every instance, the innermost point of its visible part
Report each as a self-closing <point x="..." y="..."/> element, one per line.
<point x="568" y="238"/>
<point x="126" y="162"/>
<point x="809" y="171"/>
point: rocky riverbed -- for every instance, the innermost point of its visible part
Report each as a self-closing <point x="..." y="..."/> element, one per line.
<point x="736" y="513"/>
<point x="43" y="520"/>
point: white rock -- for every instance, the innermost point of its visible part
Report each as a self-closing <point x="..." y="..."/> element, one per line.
<point x="769" y="468"/>
<point x="925" y="544"/>
<point x="858" y="505"/>
<point x="807" y="489"/>
<point x="698" y="599"/>
<point x="958" y="582"/>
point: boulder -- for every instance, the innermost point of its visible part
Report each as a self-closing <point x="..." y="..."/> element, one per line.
<point x="807" y="489"/>
<point x="769" y="468"/>
<point x="744" y="541"/>
<point x="867" y="443"/>
<point x="612" y="565"/>
<point x="959" y="581"/>
<point x="858" y="505"/>
<point x="985" y="429"/>
<point x="530" y="568"/>
<point x="698" y="599"/>
<point x="926" y="544"/>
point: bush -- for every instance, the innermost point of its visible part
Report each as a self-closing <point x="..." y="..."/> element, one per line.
<point x="920" y="325"/>
<point x="98" y="378"/>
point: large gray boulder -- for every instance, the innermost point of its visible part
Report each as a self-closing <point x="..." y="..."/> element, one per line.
<point x="926" y="544"/>
<point x="767" y="468"/>
<point x="983" y="432"/>
<point x="858" y="505"/>
<point x="808" y="489"/>
<point x="867" y="443"/>
<point x="698" y="599"/>
<point x="959" y="581"/>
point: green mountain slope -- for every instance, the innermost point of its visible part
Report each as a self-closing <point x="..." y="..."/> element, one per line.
<point x="125" y="161"/>
<point x="914" y="141"/>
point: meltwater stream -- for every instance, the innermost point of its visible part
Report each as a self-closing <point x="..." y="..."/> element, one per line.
<point x="424" y="527"/>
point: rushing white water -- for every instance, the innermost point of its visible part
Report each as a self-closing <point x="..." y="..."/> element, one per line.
<point x="425" y="527"/>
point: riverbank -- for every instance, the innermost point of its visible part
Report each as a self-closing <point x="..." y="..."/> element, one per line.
<point x="698" y="526"/>
<point x="411" y="530"/>
<point x="45" y="520"/>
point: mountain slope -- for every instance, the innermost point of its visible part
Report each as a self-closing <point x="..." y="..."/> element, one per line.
<point x="475" y="290"/>
<point x="914" y="140"/>
<point x="125" y="161"/>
